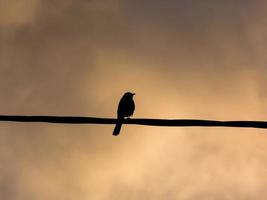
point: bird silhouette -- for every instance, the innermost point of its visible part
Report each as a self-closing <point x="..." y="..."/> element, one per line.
<point x="125" y="109"/>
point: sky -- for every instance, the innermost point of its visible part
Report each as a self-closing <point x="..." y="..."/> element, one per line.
<point x="183" y="59"/>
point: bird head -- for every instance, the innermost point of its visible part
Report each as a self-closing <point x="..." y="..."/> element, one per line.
<point x="129" y="94"/>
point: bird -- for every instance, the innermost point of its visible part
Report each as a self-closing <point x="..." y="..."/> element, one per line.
<point x="126" y="109"/>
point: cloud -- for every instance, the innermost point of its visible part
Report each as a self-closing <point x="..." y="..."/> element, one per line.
<point x="184" y="59"/>
<point x="18" y="13"/>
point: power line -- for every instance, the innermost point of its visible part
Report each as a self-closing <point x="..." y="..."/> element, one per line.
<point x="135" y="121"/>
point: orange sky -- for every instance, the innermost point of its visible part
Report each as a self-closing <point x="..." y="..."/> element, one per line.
<point x="183" y="59"/>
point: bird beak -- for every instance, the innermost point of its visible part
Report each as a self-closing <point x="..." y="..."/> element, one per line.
<point x="133" y="94"/>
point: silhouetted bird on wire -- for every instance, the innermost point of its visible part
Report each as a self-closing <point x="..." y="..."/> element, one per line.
<point x="125" y="109"/>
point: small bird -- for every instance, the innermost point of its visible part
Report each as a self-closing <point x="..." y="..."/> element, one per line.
<point x="125" y="109"/>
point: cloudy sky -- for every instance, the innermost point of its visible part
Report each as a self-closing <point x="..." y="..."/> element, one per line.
<point x="203" y="59"/>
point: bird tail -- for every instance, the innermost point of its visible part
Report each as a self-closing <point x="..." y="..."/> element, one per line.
<point x="117" y="128"/>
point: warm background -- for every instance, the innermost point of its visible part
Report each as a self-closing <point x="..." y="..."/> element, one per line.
<point x="201" y="59"/>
